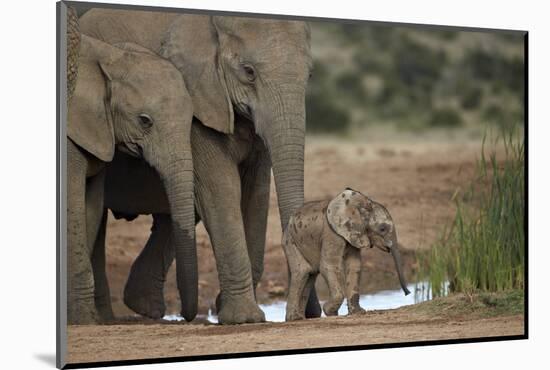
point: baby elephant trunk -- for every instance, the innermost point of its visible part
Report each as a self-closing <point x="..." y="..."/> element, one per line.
<point x="397" y="259"/>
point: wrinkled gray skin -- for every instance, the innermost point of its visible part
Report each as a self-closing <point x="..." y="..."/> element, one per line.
<point x="137" y="102"/>
<point x="247" y="79"/>
<point x="327" y="237"/>
<point x="73" y="49"/>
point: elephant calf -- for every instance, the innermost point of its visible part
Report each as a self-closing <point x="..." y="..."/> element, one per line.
<point x="326" y="237"/>
<point x="131" y="99"/>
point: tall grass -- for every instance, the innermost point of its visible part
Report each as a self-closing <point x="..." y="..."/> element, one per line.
<point x="483" y="248"/>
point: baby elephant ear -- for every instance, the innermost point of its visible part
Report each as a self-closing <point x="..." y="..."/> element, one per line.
<point x="88" y="123"/>
<point x="348" y="214"/>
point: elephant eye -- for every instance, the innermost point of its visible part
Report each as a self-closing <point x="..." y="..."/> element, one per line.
<point x="250" y="72"/>
<point x="383" y="229"/>
<point x="145" y="120"/>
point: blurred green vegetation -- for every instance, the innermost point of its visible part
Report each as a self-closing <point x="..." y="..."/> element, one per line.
<point x="414" y="78"/>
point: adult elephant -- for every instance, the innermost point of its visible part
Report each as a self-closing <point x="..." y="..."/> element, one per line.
<point x="241" y="73"/>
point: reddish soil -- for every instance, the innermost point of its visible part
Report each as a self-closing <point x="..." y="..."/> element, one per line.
<point x="141" y="340"/>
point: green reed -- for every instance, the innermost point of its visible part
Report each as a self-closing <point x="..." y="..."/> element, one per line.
<point x="483" y="248"/>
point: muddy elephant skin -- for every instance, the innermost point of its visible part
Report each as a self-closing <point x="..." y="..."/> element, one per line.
<point x="326" y="237"/>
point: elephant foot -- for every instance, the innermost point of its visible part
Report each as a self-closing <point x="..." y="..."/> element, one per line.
<point x="331" y="309"/>
<point x="356" y="310"/>
<point x="106" y="316"/>
<point x="105" y="311"/>
<point x="145" y="299"/>
<point x="294" y="316"/>
<point x="82" y="312"/>
<point x="353" y="306"/>
<point x="238" y="309"/>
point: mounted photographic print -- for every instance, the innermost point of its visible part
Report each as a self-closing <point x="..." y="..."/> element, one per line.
<point x="236" y="184"/>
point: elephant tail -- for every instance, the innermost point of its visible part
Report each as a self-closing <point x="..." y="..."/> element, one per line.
<point x="73" y="50"/>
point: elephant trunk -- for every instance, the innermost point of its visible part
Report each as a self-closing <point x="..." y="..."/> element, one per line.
<point x="73" y="50"/>
<point x="285" y="141"/>
<point x="286" y="146"/>
<point x="397" y="259"/>
<point x="285" y="137"/>
<point x="175" y="169"/>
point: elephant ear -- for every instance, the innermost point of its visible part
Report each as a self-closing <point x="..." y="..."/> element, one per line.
<point x="191" y="43"/>
<point x="348" y="215"/>
<point x="89" y="122"/>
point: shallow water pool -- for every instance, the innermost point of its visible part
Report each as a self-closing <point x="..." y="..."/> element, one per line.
<point x="381" y="300"/>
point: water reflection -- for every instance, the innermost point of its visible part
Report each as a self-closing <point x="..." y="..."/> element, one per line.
<point x="381" y="300"/>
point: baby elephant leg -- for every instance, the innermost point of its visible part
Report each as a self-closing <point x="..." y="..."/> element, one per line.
<point x="334" y="277"/>
<point x="352" y="261"/>
<point x="299" y="275"/>
<point x="332" y="269"/>
<point x="306" y="296"/>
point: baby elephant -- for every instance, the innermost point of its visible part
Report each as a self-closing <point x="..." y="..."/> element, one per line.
<point x="326" y="237"/>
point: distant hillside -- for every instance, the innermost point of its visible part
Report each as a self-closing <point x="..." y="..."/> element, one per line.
<point x="414" y="78"/>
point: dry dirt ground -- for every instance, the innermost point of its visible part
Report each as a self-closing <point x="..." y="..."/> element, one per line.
<point x="415" y="177"/>
<point x="450" y="318"/>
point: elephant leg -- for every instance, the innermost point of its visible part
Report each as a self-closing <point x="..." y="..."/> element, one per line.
<point x="256" y="178"/>
<point x="296" y="287"/>
<point x="333" y="278"/>
<point x="80" y="280"/>
<point x="102" y="291"/>
<point x="144" y="290"/>
<point x="94" y="207"/>
<point x="299" y="280"/>
<point x="332" y="269"/>
<point x="218" y="194"/>
<point x="310" y="284"/>
<point x="313" y="308"/>
<point x="96" y="220"/>
<point x="352" y="263"/>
